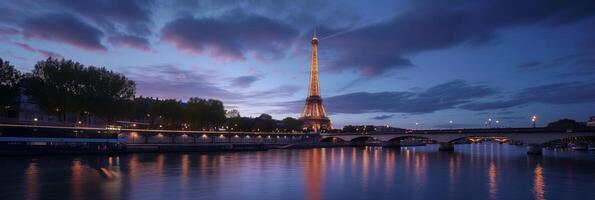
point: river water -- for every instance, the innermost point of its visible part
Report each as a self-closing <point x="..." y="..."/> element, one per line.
<point x="475" y="171"/>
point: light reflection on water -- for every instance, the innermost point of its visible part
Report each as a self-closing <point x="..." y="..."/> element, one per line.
<point x="477" y="171"/>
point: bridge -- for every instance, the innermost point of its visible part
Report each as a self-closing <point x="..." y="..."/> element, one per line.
<point x="533" y="138"/>
<point x="183" y="140"/>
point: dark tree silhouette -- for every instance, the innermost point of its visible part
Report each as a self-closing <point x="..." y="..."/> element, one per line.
<point x="565" y="123"/>
<point x="10" y="79"/>
<point x="64" y="86"/>
<point x="265" y="123"/>
<point x="292" y="124"/>
<point x="205" y="114"/>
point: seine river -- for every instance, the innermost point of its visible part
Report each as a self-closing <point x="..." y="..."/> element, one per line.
<point x="477" y="171"/>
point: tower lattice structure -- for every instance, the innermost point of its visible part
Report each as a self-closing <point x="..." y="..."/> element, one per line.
<point x="314" y="115"/>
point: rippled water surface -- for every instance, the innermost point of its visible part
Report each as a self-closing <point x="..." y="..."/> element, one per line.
<point x="478" y="171"/>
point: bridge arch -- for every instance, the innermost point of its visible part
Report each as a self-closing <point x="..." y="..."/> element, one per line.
<point x="362" y="138"/>
<point x="479" y="136"/>
<point x="332" y="140"/>
<point x="399" y="138"/>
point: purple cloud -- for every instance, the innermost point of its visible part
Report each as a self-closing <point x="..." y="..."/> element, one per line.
<point x="135" y="15"/>
<point x="382" y="117"/>
<point x="8" y="31"/>
<point x="169" y="81"/>
<point x="64" y="28"/>
<point x="280" y="91"/>
<point x="244" y="81"/>
<point x="130" y="41"/>
<point x="230" y="36"/>
<point x="40" y="51"/>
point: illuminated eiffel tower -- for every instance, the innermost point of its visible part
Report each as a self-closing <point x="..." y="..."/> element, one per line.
<point x="314" y="116"/>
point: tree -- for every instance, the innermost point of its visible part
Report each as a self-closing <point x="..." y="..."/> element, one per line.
<point x="349" y="129"/>
<point x="369" y="128"/>
<point x="64" y="86"/>
<point x="215" y="113"/>
<point x="106" y="92"/>
<point x="292" y="124"/>
<point x="565" y="123"/>
<point x="265" y="123"/>
<point x="10" y="80"/>
<point x="169" y="113"/>
<point x="232" y="113"/>
<point x="205" y="114"/>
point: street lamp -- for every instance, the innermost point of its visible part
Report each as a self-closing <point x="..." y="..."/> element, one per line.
<point x="534" y="119"/>
<point x="497" y="122"/>
<point x="87" y="115"/>
<point x="416" y="124"/>
<point x="490" y="122"/>
<point x="450" y="124"/>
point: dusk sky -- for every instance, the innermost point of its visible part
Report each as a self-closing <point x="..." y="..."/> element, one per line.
<point x="382" y="62"/>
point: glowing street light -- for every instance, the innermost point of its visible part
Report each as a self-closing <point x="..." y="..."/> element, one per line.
<point x="450" y="122"/>
<point x="534" y="120"/>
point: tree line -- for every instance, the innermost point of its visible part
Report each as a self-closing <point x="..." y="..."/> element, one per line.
<point x="65" y="88"/>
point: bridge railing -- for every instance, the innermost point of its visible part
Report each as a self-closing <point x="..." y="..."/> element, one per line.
<point x="476" y="130"/>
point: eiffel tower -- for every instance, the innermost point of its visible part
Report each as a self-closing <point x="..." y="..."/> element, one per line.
<point x="314" y="116"/>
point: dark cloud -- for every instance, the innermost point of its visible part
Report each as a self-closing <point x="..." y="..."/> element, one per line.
<point x="244" y="81"/>
<point x="130" y="41"/>
<point x="382" y="117"/>
<point x="440" y="97"/>
<point x="81" y="23"/>
<point x="135" y="15"/>
<point x="230" y="36"/>
<point x="529" y="65"/>
<point x="433" y="25"/>
<point x="304" y="13"/>
<point x="45" y="53"/>
<point x="557" y="94"/>
<point x="491" y="105"/>
<point x="8" y="31"/>
<point x="64" y="28"/>
<point x="574" y="64"/>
